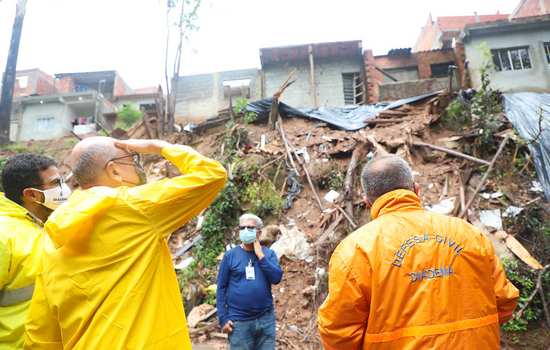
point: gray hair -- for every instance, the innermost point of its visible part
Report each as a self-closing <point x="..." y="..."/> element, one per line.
<point x="91" y="163"/>
<point x="385" y="174"/>
<point x="249" y="216"/>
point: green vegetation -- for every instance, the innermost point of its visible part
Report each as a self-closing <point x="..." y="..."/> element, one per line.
<point x="127" y="116"/>
<point x="240" y="109"/>
<point x="524" y="279"/>
<point x="456" y="115"/>
<point x="263" y="198"/>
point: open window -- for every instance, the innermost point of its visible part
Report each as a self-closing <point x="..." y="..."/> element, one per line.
<point x="237" y="87"/>
<point x="547" y="51"/>
<point x="353" y="88"/>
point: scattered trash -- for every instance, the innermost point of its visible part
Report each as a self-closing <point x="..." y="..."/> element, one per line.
<point x="491" y="218"/>
<point x="536" y="187"/>
<point x="293" y="328"/>
<point x="200" y="313"/>
<point x="444" y="207"/>
<point x="512" y="211"/>
<point x="331" y="196"/>
<point x="293" y="190"/>
<point x="493" y="195"/>
<point x="263" y="141"/>
<point x="303" y="152"/>
<point x="184" y="263"/>
<point x="293" y="244"/>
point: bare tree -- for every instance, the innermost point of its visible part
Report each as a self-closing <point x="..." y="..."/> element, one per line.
<point x="8" y="81"/>
<point x="186" y="17"/>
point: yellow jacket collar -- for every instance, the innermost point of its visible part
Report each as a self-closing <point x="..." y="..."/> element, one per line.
<point x="397" y="200"/>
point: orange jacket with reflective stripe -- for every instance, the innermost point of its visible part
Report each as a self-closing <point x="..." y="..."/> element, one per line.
<point x="411" y="279"/>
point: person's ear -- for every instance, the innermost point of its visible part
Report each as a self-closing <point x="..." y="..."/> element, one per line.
<point x="113" y="172"/>
<point x="367" y="202"/>
<point x="32" y="195"/>
<point x="416" y="188"/>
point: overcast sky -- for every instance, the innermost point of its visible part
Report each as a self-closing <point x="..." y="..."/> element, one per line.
<point x="128" y="35"/>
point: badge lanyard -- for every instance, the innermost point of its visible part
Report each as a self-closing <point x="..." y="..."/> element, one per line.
<point x="250" y="274"/>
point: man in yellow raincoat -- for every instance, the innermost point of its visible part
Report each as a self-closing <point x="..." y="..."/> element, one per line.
<point x="110" y="283"/>
<point x="33" y="189"/>
<point x="411" y="279"/>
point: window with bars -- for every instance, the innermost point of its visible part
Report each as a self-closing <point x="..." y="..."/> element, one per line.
<point x="353" y="88"/>
<point x="514" y="58"/>
<point x="547" y="51"/>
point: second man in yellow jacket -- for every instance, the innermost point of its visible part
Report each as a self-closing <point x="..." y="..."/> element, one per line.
<point x="110" y="283"/>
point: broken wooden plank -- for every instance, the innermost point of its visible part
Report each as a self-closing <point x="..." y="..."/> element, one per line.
<point x="357" y="154"/>
<point x="485" y="176"/>
<point x="451" y="152"/>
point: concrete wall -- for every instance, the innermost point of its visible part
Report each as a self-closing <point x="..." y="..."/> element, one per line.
<point x="534" y="79"/>
<point x="33" y="125"/>
<point x="328" y="77"/>
<point x="201" y="96"/>
<point x="404" y="89"/>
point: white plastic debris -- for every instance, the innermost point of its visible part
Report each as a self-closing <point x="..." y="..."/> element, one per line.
<point x="184" y="263"/>
<point x="512" y="211"/>
<point x="303" y="152"/>
<point x="263" y="141"/>
<point x="493" y="195"/>
<point x="293" y="244"/>
<point x="200" y="221"/>
<point x="536" y="187"/>
<point x="331" y="196"/>
<point x="444" y="207"/>
<point x="491" y="218"/>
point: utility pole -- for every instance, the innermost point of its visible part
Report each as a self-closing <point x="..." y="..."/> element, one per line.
<point x="8" y="81"/>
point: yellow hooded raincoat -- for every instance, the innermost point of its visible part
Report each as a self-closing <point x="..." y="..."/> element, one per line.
<point x="110" y="284"/>
<point x="411" y="279"/>
<point x="21" y="244"/>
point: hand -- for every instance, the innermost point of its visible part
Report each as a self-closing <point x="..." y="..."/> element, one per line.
<point x="142" y="146"/>
<point x="258" y="250"/>
<point x="228" y="328"/>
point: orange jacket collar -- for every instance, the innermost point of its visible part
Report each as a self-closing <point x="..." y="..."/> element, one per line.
<point x="395" y="201"/>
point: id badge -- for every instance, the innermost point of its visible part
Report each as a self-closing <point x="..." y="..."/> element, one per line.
<point x="250" y="275"/>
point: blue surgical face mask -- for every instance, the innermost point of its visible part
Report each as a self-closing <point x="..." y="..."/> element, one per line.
<point x="247" y="235"/>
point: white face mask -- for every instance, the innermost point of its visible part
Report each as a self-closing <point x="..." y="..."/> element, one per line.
<point x="54" y="197"/>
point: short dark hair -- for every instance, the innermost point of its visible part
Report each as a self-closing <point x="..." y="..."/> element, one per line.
<point x="385" y="174"/>
<point x="23" y="171"/>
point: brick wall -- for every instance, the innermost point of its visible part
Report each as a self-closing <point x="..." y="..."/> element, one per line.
<point x="373" y="76"/>
<point x="64" y="85"/>
<point x="403" y="89"/>
<point x="37" y="83"/>
<point x="421" y="60"/>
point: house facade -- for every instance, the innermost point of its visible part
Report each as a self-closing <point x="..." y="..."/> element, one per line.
<point x="519" y="50"/>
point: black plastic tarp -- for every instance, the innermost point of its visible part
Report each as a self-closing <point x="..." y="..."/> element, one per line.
<point x="524" y="109"/>
<point x="349" y="118"/>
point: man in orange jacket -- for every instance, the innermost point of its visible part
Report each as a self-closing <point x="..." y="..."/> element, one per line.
<point x="411" y="279"/>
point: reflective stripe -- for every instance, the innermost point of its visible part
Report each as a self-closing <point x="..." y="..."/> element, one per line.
<point x="9" y="297"/>
<point x="443" y="328"/>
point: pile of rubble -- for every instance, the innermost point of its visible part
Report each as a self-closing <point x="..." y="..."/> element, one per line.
<point x="305" y="154"/>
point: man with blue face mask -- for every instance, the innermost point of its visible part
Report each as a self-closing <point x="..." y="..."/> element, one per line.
<point x="243" y="297"/>
<point x="33" y="189"/>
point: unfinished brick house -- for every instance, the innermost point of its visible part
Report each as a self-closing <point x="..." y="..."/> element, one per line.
<point x="441" y="33"/>
<point x="403" y="73"/>
<point x="32" y="82"/>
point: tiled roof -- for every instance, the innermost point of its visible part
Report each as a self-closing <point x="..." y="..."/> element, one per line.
<point x="450" y="23"/>
<point x="529" y="8"/>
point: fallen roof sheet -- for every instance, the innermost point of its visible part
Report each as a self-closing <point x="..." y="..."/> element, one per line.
<point x="524" y="110"/>
<point x="349" y="118"/>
